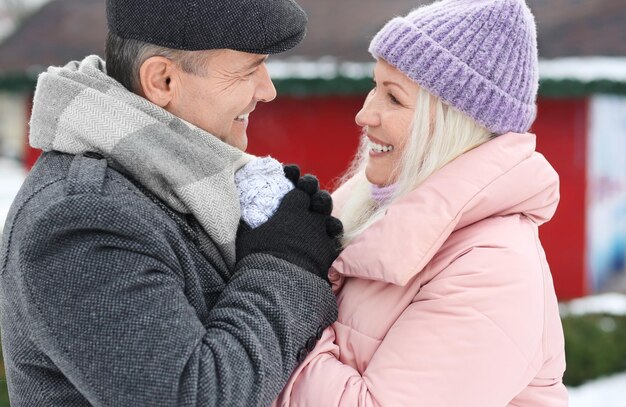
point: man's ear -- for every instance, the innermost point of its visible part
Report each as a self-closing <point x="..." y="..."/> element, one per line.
<point x="155" y="80"/>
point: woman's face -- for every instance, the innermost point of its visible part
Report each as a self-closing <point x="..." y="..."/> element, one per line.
<point x="386" y="119"/>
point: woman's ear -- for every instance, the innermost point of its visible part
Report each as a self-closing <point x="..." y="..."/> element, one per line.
<point x="155" y="80"/>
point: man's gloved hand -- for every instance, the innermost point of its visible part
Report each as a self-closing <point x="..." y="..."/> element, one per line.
<point x="301" y="231"/>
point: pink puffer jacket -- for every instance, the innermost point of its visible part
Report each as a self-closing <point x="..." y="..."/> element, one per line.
<point x="448" y="300"/>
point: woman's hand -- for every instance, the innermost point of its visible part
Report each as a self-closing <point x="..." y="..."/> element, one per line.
<point x="302" y="231"/>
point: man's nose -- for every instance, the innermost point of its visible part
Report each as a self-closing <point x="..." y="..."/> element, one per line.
<point x="266" y="92"/>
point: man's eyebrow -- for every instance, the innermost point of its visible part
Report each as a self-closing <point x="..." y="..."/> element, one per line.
<point x="254" y="64"/>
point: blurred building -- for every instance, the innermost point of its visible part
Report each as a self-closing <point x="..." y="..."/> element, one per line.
<point x="581" y="125"/>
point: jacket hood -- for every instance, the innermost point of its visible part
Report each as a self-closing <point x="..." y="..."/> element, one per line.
<point x="504" y="176"/>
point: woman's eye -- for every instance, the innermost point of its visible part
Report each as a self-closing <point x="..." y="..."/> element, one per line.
<point x="393" y="99"/>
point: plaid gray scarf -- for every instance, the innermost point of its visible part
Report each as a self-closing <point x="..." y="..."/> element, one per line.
<point x="79" y="108"/>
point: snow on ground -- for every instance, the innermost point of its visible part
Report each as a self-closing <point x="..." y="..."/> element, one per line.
<point x="605" y="392"/>
<point x="12" y="175"/>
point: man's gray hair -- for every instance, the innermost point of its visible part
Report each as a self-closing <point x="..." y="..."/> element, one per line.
<point x="124" y="58"/>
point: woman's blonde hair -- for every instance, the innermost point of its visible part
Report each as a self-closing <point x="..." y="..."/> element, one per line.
<point x="439" y="133"/>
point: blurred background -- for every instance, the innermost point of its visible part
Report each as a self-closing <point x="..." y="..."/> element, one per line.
<point x="581" y="129"/>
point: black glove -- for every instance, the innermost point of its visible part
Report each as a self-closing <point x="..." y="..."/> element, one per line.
<point x="301" y="231"/>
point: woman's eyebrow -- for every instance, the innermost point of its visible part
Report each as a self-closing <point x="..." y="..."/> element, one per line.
<point x="390" y="83"/>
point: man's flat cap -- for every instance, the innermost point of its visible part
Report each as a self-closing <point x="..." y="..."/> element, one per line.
<point x="255" y="26"/>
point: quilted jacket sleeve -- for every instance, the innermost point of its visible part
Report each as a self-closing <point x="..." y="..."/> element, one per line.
<point x="450" y="347"/>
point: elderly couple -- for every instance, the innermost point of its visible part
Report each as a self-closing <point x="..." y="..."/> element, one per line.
<point x="129" y="279"/>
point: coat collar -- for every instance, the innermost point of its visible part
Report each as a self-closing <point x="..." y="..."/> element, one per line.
<point x="501" y="177"/>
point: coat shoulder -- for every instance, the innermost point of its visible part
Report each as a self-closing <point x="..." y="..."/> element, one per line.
<point x="515" y="234"/>
<point x="64" y="189"/>
<point x="58" y="178"/>
<point x="496" y="267"/>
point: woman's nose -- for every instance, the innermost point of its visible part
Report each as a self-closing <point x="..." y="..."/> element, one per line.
<point x="367" y="116"/>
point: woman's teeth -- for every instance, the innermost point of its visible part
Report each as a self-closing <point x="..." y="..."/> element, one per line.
<point x="243" y="117"/>
<point x="377" y="148"/>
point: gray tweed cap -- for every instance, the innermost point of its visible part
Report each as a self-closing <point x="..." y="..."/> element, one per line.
<point x="255" y="26"/>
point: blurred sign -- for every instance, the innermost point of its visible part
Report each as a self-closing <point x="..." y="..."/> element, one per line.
<point x="606" y="216"/>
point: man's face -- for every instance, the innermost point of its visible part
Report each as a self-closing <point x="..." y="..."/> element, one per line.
<point x="220" y="100"/>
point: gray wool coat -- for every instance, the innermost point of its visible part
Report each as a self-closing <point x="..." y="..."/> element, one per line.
<point x="106" y="299"/>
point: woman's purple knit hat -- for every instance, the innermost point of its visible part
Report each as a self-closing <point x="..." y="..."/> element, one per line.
<point x="479" y="56"/>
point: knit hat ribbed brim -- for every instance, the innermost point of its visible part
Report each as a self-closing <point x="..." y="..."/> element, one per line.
<point x="479" y="56"/>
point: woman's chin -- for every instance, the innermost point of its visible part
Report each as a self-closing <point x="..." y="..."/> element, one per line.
<point x="377" y="177"/>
